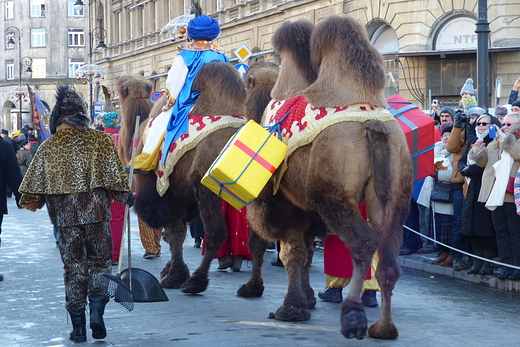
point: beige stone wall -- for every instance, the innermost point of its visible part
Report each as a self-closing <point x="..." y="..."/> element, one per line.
<point x="135" y="45"/>
<point x="253" y="22"/>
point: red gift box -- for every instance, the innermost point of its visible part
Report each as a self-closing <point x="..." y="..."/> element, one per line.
<point x="418" y="128"/>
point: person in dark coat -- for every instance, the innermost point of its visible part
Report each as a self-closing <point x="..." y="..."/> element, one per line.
<point x="477" y="222"/>
<point x="6" y="138"/>
<point x="9" y="175"/>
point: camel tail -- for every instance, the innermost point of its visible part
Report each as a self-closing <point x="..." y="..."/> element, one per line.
<point x="378" y="140"/>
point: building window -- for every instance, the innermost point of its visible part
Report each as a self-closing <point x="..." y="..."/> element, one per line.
<point x="392" y="77"/>
<point x="37" y="37"/>
<point x="73" y="11"/>
<point x="39" y="67"/>
<point x="445" y="76"/>
<point x="74" y="64"/>
<point x="37" y="8"/>
<point x="9" y="10"/>
<point x="76" y="37"/>
<point x="9" y="70"/>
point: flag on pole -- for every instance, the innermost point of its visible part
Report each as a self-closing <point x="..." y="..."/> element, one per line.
<point x="40" y="115"/>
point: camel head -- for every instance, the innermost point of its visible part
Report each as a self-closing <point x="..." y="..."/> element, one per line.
<point x="222" y="90"/>
<point x="131" y="87"/>
<point x="351" y="69"/>
<point x="292" y="41"/>
<point x="260" y="78"/>
<point x="134" y="97"/>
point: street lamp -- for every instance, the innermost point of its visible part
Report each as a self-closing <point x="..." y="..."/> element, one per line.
<point x="14" y="33"/>
<point x="100" y="34"/>
<point x="27" y="61"/>
<point x="91" y="72"/>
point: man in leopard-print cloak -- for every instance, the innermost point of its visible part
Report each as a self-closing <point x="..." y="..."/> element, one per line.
<point x="77" y="174"/>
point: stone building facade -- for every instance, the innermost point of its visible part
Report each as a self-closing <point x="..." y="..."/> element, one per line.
<point x="429" y="46"/>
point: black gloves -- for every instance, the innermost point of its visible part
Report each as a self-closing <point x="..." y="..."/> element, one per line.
<point x="465" y="171"/>
<point x="460" y="119"/>
<point x="130" y="200"/>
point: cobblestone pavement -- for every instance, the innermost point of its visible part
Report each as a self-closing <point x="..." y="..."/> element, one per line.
<point x="428" y="310"/>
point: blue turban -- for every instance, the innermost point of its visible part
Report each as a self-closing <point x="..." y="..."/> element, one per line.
<point x="203" y="28"/>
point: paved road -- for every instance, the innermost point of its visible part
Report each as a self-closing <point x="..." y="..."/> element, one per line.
<point x="429" y="310"/>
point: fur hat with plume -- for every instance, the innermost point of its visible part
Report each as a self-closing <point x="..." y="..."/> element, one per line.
<point x="70" y="109"/>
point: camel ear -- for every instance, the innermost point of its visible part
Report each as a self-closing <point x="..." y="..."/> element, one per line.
<point x="250" y="82"/>
<point x="124" y="91"/>
<point x="149" y="88"/>
<point x="106" y="92"/>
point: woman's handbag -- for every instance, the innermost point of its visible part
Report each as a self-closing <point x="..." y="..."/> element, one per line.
<point x="442" y="192"/>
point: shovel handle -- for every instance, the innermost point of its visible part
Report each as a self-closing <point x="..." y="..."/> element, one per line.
<point x="126" y="218"/>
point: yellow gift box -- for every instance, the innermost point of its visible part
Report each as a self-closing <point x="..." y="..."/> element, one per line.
<point x="245" y="165"/>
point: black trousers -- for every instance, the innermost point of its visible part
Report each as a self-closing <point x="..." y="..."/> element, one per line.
<point x="507" y="227"/>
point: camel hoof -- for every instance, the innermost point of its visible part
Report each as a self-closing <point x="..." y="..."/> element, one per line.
<point x="354" y="324"/>
<point x="311" y="302"/>
<point x="195" y="285"/>
<point x="176" y="276"/>
<point x="388" y="332"/>
<point x="292" y="314"/>
<point x="166" y="270"/>
<point x="251" y="290"/>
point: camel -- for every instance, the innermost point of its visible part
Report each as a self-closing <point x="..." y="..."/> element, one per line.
<point x="134" y="98"/>
<point x="348" y="162"/>
<point x="186" y="195"/>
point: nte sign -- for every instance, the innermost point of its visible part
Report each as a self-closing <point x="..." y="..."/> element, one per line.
<point x="456" y="34"/>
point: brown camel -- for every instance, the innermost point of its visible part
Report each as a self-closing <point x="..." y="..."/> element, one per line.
<point x="186" y="195"/>
<point x="345" y="164"/>
<point x="134" y="98"/>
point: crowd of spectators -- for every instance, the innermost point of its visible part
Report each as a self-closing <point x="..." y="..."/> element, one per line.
<point x="468" y="204"/>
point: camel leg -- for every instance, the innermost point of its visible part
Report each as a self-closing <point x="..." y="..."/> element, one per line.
<point x="305" y="278"/>
<point x="175" y="272"/>
<point x="215" y="234"/>
<point x="255" y="286"/>
<point x="342" y="217"/>
<point x="294" y="255"/>
<point x="388" y="270"/>
<point x="362" y="242"/>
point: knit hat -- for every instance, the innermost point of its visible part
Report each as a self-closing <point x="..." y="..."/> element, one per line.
<point x="446" y="127"/>
<point x="500" y="111"/>
<point x="5" y="132"/>
<point x="476" y="112"/>
<point x="447" y="109"/>
<point x="468" y="87"/>
<point x="516" y="103"/>
<point x="22" y="143"/>
<point x="203" y="28"/>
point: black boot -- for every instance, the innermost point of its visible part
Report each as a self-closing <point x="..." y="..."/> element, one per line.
<point x="331" y="295"/>
<point x="477" y="263"/>
<point x="487" y="269"/>
<point x="505" y="272"/>
<point x="369" y="298"/>
<point x="79" y="326"/>
<point x="97" y="308"/>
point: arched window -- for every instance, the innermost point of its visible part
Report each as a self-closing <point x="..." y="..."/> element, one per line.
<point x="384" y="38"/>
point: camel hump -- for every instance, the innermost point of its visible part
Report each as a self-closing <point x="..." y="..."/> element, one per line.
<point x="378" y="138"/>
